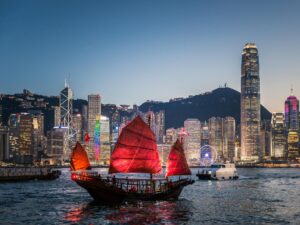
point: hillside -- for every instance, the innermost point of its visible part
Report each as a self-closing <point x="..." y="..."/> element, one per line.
<point x="220" y="102"/>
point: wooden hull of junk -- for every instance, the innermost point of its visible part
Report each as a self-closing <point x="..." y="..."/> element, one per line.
<point x="111" y="191"/>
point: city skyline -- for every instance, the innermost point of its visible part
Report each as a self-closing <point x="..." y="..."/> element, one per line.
<point x="143" y="49"/>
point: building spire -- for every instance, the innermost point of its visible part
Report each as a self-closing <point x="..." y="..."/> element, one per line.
<point x="292" y="90"/>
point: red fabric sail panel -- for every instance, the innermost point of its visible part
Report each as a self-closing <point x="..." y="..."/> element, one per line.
<point x="177" y="164"/>
<point x="135" y="150"/>
<point x="79" y="159"/>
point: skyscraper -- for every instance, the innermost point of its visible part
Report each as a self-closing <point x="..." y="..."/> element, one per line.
<point x="66" y="108"/>
<point x="94" y="112"/>
<point x="105" y="148"/>
<point x="291" y="116"/>
<point x="192" y="141"/>
<point x="216" y="136"/>
<point x="278" y="136"/>
<point x="250" y="104"/>
<point x="291" y="113"/>
<point x="26" y="129"/>
<point x="229" y="138"/>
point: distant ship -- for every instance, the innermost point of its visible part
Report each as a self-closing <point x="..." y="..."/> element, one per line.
<point x="13" y="174"/>
<point x="135" y="152"/>
<point x="218" y="171"/>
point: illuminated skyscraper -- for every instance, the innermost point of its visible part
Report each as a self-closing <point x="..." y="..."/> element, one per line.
<point x="94" y="112"/>
<point x="278" y="136"/>
<point x="105" y="148"/>
<point x="192" y="141"/>
<point x="26" y="128"/>
<point x="291" y="116"/>
<point x="57" y="145"/>
<point x="291" y="113"/>
<point x="250" y="104"/>
<point x="229" y="138"/>
<point x="66" y="109"/>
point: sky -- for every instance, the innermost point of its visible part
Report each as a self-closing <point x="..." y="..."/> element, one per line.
<point x="133" y="51"/>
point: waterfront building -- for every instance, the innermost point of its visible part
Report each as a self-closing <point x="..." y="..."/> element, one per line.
<point x="192" y="141"/>
<point x="293" y="145"/>
<point x="291" y="117"/>
<point x="14" y="137"/>
<point x="265" y="140"/>
<point x="216" y="138"/>
<point x="229" y="139"/>
<point x="250" y="104"/>
<point x="26" y="129"/>
<point x="105" y="146"/>
<point x="39" y="139"/>
<point x="278" y="136"/>
<point x="4" y="143"/>
<point x="66" y="109"/>
<point x="57" y="145"/>
<point x="94" y="112"/>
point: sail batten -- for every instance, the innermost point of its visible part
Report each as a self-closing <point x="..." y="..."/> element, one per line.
<point x="79" y="159"/>
<point x="177" y="164"/>
<point x="135" y="150"/>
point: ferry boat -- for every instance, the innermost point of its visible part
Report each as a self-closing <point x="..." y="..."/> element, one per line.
<point x="135" y="152"/>
<point x="218" y="171"/>
<point x="13" y="174"/>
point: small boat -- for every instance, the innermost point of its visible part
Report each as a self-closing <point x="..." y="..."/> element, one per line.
<point x="219" y="171"/>
<point x="135" y="152"/>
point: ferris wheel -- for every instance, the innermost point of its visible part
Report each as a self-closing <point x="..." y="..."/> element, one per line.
<point x="208" y="155"/>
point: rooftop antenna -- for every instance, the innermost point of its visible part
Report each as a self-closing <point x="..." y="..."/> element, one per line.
<point x="66" y="84"/>
<point x="292" y="90"/>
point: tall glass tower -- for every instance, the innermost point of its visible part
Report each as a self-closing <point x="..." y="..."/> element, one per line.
<point x="66" y="108"/>
<point x="291" y="116"/>
<point x="250" y="104"/>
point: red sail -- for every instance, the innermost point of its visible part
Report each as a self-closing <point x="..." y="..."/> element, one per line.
<point x="177" y="164"/>
<point x="136" y="150"/>
<point x="79" y="158"/>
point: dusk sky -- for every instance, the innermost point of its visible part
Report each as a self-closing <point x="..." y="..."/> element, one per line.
<point x="132" y="51"/>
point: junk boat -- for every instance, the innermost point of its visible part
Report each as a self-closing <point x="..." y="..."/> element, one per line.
<point x="13" y="174"/>
<point x="219" y="171"/>
<point x="135" y="152"/>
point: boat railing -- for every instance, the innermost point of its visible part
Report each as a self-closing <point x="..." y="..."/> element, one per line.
<point x="133" y="185"/>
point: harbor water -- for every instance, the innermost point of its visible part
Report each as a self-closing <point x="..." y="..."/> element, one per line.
<point x="260" y="196"/>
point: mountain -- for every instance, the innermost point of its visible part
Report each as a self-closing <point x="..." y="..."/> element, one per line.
<point x="221" y="102"/>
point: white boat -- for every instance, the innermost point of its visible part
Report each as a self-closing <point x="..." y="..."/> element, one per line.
<point x="218" y="171"/>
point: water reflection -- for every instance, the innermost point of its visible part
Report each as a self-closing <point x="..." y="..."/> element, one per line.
<point x="160" y="212"/>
